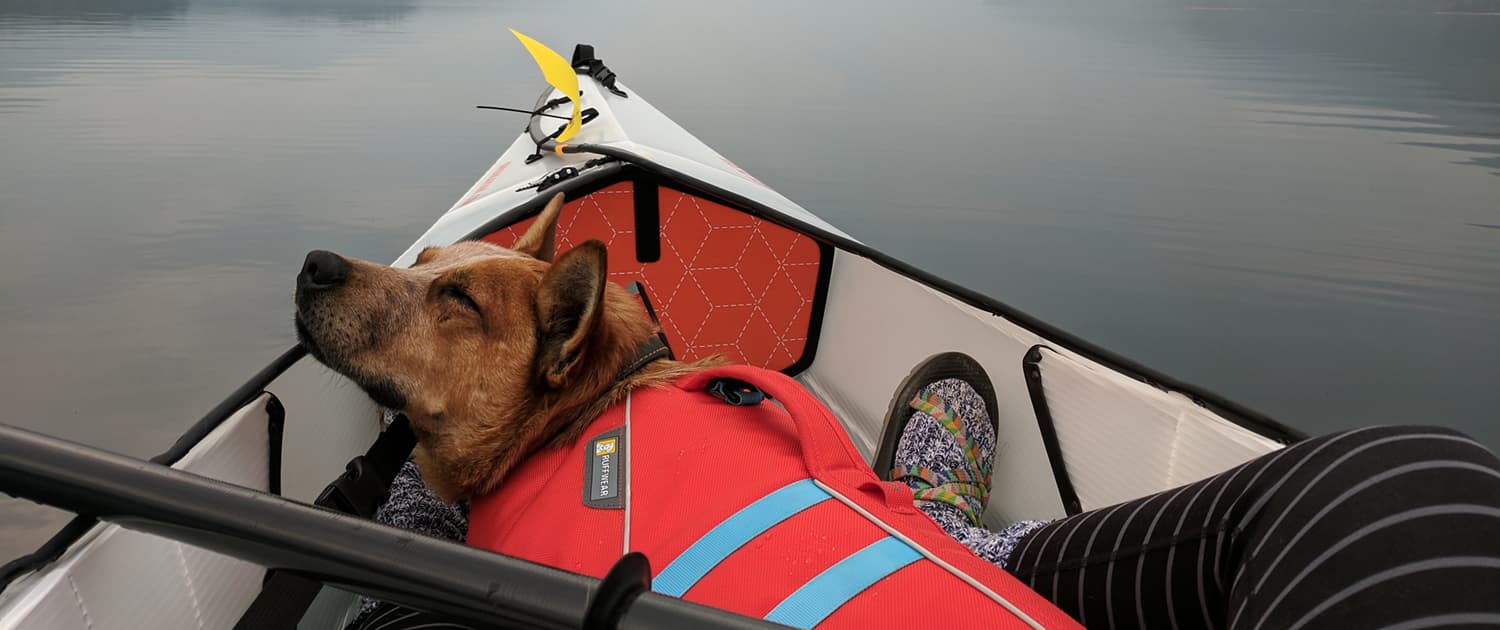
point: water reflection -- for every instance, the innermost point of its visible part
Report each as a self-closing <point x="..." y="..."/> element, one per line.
<point x="170" y="159"/>
<point x="128" y="11"/>
<point x="1437" y="65"/>
<point x="91" y="11"/>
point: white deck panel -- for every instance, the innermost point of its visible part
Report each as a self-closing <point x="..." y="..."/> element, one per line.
<point x="1121" y="438"/>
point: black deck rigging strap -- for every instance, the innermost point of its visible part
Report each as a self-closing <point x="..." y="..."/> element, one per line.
<point x="584" y="61"/>
<point x="285" y="597"/>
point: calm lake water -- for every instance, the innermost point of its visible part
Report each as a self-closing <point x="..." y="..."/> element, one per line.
<point x="1297" y="208"/>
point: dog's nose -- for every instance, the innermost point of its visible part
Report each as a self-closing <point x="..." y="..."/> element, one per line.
<point x="322" y="270"/>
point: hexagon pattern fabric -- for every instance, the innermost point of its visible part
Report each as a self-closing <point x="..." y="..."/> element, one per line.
<point x="727" y="283"/>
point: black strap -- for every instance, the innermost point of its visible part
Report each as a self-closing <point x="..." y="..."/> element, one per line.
<point x="285" y="597"/>
<point x="367" y="478"/>
<point x="584" y="61"/>
<point x="638" y="289"/>
<point x="654" y="349"/>
<point x="735" y="392"/>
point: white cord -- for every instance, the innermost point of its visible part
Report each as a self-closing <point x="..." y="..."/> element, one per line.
<point x="625" y="461"/>
<point x="925" y="553"/>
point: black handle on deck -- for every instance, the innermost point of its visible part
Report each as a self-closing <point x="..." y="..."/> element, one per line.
<point x="425" y="573"/>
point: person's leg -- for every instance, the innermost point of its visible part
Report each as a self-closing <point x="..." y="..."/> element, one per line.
<point x="1378" y="527"/>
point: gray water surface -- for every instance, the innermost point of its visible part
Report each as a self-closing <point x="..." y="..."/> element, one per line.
<point x="1296" y="205"/>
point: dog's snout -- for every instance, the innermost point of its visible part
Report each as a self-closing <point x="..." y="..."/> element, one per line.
<point x="323" y="270"/>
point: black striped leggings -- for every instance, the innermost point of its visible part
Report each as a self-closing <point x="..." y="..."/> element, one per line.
<point x="1383" y="527"/>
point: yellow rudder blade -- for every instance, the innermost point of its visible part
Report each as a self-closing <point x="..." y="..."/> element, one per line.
<point x="559" y="74"/>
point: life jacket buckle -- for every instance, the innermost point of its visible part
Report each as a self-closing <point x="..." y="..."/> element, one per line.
<point x="735" y="392"/>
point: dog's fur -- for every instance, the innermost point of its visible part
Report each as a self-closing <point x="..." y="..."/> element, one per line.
<point x="492" y="353"/>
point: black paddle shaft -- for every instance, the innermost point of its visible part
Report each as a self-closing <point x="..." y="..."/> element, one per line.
<point x="441" y="577"/>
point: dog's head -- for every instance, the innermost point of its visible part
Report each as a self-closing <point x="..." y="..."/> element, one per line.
<point x="491" y="352"/>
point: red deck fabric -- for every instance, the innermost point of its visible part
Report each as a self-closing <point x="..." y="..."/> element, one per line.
<point x="726" y="283"/>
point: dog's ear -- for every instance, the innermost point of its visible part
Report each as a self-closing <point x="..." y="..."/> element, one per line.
<point x="568" y="305"/>
<point x="540" y="240"/>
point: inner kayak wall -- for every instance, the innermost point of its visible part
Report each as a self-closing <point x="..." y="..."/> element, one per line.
<point x="329" y="420"/>
<point x="119" y="578"/>
<point x="1102" y="434"/>
<point x="878" y="325"/>
<point x="1105" y="423"/>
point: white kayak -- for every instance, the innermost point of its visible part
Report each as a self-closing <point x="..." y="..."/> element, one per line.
<point x="730" y="266"/>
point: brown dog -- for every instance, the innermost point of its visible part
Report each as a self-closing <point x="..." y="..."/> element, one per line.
<point x="492" y="353"/>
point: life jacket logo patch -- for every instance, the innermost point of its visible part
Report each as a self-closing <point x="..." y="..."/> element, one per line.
<point x="604" y="471"/>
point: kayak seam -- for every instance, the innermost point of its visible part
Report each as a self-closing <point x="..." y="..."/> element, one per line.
<point x="187" y="579"/>
<point x="82" y="609"/>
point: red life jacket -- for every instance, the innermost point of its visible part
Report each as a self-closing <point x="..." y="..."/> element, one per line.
<point x="765" y="512"/>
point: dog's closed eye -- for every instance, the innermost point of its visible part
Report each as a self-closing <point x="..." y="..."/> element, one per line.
<point x="458" y="295"/>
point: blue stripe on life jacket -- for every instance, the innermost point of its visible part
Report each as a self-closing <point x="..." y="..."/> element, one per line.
<point x="752" y="520"/>
<point x="814" y="601"/>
